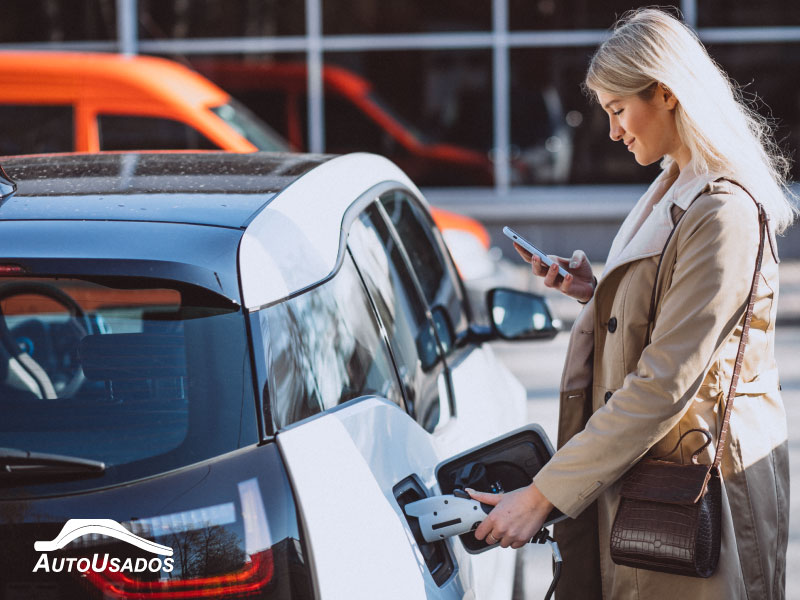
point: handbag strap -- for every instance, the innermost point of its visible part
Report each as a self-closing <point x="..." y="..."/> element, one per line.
<point x="748" y="315"/>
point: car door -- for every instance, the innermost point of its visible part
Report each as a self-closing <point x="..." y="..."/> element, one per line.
<point x="361" y="459"/>
<point x="486" y="401"/>
<point x="350" y="447"/>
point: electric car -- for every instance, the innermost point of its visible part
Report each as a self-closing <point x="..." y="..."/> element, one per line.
<point x="225" y="375"/>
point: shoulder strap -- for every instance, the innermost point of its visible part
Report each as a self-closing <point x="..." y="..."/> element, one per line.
<point x="748" y="315"/>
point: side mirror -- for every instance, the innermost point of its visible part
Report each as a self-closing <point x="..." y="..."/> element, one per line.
<point x="517" y="315"/>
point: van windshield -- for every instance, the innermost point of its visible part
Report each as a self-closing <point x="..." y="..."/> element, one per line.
<point x="250" y="127"/>
<point x="139" y="374"/>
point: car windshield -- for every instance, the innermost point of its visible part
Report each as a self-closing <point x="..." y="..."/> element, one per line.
<point x="140" y="374"/>
<point x="249" y="126"/>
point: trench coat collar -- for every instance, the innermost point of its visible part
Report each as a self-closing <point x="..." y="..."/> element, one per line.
<point x="647" y="227"/>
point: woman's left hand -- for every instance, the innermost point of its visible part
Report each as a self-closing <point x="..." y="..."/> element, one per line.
<point x="517" y="516"/>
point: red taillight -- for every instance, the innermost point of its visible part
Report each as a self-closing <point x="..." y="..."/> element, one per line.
<point x="11" y="270"/>
<point x="252" y="578"/>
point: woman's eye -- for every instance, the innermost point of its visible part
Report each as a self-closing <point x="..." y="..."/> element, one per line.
<point x="616" y="113"/>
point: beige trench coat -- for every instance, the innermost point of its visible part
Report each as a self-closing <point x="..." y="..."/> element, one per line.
<point x="620" y="400"/>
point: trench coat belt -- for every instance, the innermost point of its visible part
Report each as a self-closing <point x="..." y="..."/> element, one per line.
<point x="764" y="383"/>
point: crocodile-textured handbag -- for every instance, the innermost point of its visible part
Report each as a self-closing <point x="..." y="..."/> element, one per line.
<point x="669" y="514"/>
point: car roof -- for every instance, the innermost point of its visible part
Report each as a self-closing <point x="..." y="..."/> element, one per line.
<point x="284" y="214"/>
<point x="214" y="188"/>
<point x="69" y="75"/>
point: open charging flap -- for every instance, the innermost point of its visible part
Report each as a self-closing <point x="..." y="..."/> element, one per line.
<point x="503" y="464"/>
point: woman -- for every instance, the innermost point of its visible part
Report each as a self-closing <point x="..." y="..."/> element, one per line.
<point x="667" y="100"/>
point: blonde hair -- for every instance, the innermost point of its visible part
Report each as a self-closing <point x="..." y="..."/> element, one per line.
<point x="723" y="134"/>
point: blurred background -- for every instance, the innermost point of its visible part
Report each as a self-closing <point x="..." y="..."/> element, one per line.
<point x="479" y="102"/>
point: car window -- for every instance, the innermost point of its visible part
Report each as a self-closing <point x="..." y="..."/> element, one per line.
<point x="143" y="376"/>
<point x="132" y="132"/>
<point x="429" y="259"/>
<point x="402" y="311"/>
<point x="28" y="129"/>
<point x="326" y="347"/>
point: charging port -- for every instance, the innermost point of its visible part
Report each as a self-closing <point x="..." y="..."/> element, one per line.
<point x="436" y="554"/>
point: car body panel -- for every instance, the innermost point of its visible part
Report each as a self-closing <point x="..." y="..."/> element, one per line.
<point x="330" y="469"/>
<point x="268" y="274"/>
<point x="283" y="234"/>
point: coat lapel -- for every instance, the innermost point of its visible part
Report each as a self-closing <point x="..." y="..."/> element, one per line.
<point x="647" y="227"/>
<point x="643" y="233"/>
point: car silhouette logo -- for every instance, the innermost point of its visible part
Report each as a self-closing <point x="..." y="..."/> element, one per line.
<point x="75" y="528"/>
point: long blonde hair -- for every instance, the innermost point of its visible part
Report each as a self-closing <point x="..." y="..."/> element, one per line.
<point x="722" y="132"/>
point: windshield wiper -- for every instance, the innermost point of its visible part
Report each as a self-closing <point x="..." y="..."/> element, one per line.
<point x="15" y="462"/>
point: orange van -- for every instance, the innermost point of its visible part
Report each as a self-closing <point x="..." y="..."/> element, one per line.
<point x="86" y="102"/>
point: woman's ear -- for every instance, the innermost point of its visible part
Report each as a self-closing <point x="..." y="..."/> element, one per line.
<point x="666" y="95"/>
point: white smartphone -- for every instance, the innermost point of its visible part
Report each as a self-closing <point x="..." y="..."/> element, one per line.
<point x="510" y="233"/>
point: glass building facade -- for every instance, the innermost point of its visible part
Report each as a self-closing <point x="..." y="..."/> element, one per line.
<point x="480" y="102"/>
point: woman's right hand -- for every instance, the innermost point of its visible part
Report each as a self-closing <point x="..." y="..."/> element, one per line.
<point x="579" y="284"/>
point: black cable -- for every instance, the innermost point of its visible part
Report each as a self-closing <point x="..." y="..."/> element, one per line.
<point x="543" y="537"/>
<point x="556" y="576"/>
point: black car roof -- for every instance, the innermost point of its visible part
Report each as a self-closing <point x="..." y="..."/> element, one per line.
<point x="204" y="188"/>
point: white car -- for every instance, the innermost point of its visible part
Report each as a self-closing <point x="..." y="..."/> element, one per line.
<point x="270" y="352"/>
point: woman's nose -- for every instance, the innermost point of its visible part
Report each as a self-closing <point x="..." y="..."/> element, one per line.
<point x="615" y="132"/>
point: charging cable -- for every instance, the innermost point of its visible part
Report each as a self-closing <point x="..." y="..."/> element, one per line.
<point x="447" y="515"/>
<point x="543" y="537"/>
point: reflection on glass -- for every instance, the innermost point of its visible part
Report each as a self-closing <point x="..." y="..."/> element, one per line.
<point x="558" y="134"/>
<point x="49" y="21"/>
<point x="428" y="258"/>
<point x="146" y="376"/>
<point x="520" y="315"/>
<point x="250" y="127"/>
<point x="402" y="312"/>
<point x="769" y="13"/>
<point x="326" y="349"/>
<point x="446" y="94"/>
<point x="407" y="16"/>
<point x="570" y="14"/>
<point x="765" y="71"/>
<point x="164" y="19"/>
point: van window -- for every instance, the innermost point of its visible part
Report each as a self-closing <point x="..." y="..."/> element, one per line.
<point x="250" y="127"/>
<point x="132" y="132"/>
<point x="27" y="129"/>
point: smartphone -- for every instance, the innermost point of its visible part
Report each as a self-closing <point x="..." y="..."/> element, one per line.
<point x="532" y="249"/>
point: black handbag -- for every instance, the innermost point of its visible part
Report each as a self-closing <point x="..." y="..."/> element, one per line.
<point x="669" y="515"/>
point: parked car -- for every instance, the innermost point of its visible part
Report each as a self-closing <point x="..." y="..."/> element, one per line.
<point x="64" y="101"/>
<point x="234" y="371"/>
<point x="82" y="101"/>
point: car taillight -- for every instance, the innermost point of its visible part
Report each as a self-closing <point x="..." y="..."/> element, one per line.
<point x="251" y="579"/>
<point x="11" y="270"/>
<point x="246" y="577"/>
